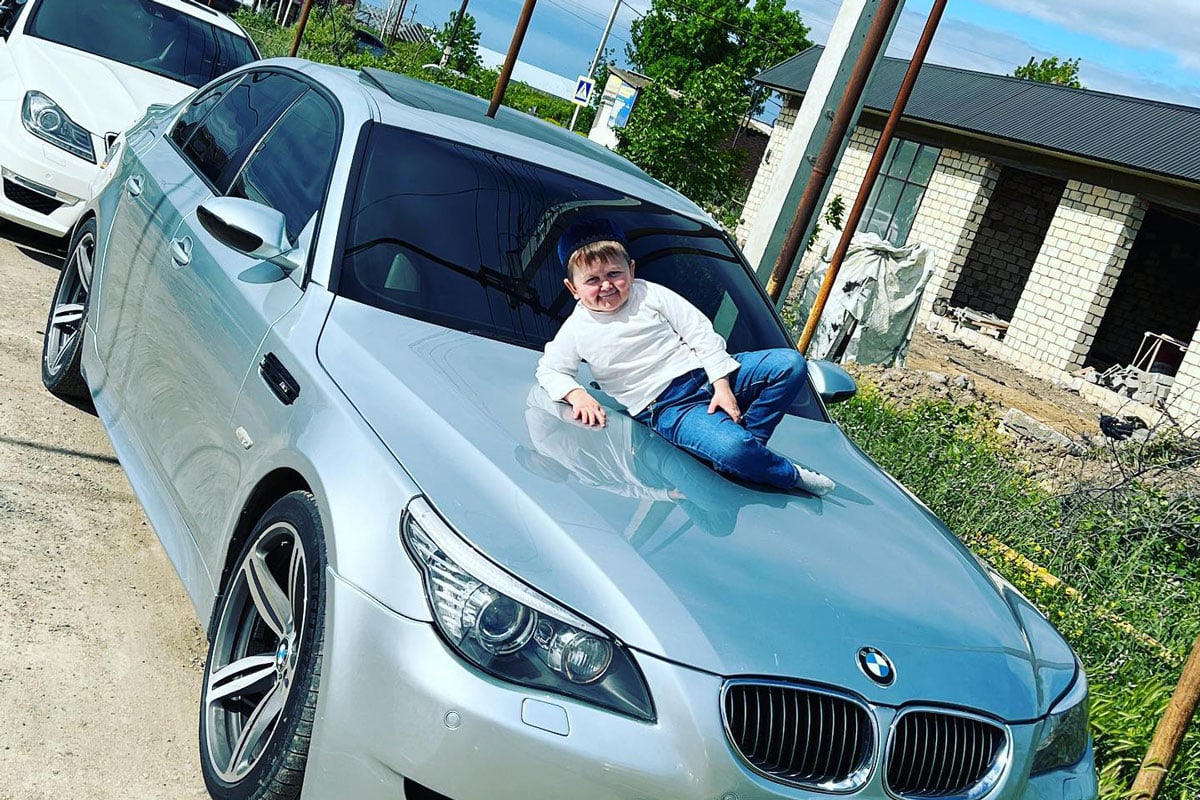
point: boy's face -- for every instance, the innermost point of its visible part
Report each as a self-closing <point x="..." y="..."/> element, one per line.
<point x="602" y="285"/>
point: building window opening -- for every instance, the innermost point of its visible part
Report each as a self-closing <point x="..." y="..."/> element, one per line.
<point x="894" y="201"/>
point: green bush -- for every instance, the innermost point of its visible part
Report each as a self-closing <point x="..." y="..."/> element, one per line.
<point x="1124" y="549"/>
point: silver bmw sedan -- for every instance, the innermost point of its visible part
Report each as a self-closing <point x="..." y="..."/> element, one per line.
<point x="307" y="304"/>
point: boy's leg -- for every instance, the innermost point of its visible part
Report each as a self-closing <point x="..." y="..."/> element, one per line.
<point x="765" y="386"/>
<point x="732" y="449"/>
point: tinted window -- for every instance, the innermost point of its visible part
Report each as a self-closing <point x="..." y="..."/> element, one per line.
<point x="198" y="110"/>
<point x="143" y="34"/>
<point x="466" y="238"/>
<point x="221" y="144"/>
<point x="290" y="169"/>
<point x="894" y="201"/>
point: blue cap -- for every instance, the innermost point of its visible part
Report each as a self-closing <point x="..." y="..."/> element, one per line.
<point x="586" y="231"/>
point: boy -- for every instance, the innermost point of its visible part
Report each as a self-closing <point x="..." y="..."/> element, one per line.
<point x="656" y="354"/>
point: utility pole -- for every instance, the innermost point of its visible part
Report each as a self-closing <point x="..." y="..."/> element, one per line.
<point x="864" y="191"/>
<point x="462" y="10"/>
<point x="300" y="27"/>
<point x="510" y="60"/>
<point x="596" y="58"/>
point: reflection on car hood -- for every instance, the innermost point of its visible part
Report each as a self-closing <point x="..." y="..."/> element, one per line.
<point x="101" y="95"/>
<point x="677" y="561"/>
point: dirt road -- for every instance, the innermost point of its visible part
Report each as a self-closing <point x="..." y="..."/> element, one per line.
<point x="100" y="651"/>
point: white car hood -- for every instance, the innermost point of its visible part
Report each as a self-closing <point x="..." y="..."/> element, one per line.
<point x="101" y="95"/>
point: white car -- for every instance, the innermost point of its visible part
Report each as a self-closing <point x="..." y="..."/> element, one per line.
<point x="75" y="73"/>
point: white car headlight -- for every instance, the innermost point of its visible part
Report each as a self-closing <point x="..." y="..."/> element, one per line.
<point x="1064" y="735"/>
<point x="44" y="119"/>
<point x="513" y="632"/>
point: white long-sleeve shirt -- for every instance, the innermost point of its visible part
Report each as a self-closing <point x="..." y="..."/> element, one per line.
<point x="635" y="351"/>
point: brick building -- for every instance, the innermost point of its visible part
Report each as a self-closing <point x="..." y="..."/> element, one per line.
<point x="1072" y="217"/>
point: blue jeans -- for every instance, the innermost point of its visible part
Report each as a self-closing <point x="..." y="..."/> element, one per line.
<point x="765" y="386"/>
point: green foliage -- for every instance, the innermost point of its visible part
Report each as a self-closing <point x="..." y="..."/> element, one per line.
<point x="1051" y="70"/>
<point x="464" y="47"/>
<point x="678" y="139"/>
<point x="835" y="212"/>
<point x="674" y="42"/>
<point x="1126" y="554"/>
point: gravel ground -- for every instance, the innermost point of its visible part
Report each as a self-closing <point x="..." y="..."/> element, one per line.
<point x="100" y="650"/>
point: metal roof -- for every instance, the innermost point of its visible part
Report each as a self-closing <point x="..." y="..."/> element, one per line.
<point x="1147" y="135"/>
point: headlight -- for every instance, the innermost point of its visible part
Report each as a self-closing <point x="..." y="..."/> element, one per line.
<point x="1064" y="735"/>
<point x="513" y="632"/>
<point x="44" y="119"/>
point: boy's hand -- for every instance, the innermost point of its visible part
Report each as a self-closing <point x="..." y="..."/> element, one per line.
<point x="724" y="400"/>
<point x="585" y="408"/>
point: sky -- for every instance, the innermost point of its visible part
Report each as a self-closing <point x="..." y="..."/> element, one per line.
<point x="1144" y="49"/>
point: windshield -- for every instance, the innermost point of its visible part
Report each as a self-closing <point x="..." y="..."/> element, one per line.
<point x="467" y="238"/>
<point x="143" y="34"/>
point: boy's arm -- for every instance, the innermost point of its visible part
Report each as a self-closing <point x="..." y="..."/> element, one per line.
<point x="556" y="371"/>
<point x="697" y="332"/>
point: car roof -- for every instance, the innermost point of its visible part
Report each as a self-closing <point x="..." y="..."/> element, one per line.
<point x="195" y="9"/>
<point x="450" y="114"/>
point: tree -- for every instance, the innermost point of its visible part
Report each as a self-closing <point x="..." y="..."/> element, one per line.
<point x="708" y="50"/>
<point x="682" y="138"/>
<point x="464" y="49"/>
<point x="1051" y="70"/>
<point x="678" y="39"/>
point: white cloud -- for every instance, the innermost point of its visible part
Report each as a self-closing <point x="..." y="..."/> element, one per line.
<point x="1164" y="25"/>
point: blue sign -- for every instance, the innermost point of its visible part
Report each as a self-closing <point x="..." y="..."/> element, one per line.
<point x="583" y="90"/>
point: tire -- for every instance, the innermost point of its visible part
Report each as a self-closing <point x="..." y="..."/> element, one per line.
<point x="263" y="670"/>
<point x="62" y="343"/>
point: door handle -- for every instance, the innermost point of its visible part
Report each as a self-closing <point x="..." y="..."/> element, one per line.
<point x="134" y="185"/>
<point x="181" y="251"/>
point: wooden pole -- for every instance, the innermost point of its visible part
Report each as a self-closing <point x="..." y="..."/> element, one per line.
<point x="873" y="169"/>
<point x="300" y="27"/>
<point x="1171" y="728"/>
<point x="510" y="60"/>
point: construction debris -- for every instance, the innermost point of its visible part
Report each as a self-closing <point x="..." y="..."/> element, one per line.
<point x="1022" y="424"/>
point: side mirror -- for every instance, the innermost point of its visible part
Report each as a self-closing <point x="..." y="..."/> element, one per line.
<point x="251" y="228"/>
<point x="832" y="382"/>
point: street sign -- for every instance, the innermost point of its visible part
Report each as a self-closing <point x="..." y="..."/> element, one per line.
<point x="583" y="90"/>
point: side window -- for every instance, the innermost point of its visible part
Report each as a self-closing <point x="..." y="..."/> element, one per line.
<point x="198" y="110"/>
<point x="894" y="201"/>
<point x="291" y="167"/>
<point x="221" y="143"/>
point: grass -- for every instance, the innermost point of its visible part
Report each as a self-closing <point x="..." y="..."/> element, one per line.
<point x="1126" y="551"/>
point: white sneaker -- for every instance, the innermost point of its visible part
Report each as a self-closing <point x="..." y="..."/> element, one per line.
<point x="812" y="482"/>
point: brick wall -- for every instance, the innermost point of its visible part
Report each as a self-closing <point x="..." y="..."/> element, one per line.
<point x="1073" y="277"/>
<point x="1001" y="257"/>
<point x="776" y="144"/>
<point x="950" y="216"/>
<point x="1184" y="400"/>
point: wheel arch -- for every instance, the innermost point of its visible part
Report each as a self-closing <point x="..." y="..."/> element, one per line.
<point x="274" y="485"/>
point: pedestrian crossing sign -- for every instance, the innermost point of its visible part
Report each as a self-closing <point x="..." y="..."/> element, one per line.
<point x="583" y="90"/>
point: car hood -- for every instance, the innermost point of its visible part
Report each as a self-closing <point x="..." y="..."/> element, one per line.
<point x="101" y="95"/>
<point x="679" y="562"/>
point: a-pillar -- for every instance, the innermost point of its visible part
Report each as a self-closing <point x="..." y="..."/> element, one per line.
<point x="1073" y="278"/>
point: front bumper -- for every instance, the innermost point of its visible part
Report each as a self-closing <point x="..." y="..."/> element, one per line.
<point x="396" y="704"/>
<point x="42" y="187"/>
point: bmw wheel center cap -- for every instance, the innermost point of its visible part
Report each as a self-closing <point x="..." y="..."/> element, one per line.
<point x="876" y="666"/>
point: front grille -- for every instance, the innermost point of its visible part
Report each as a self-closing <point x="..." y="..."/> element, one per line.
<point x="936" y="754"/>
<point x="798" y="736"/>
<point x="30" y="199"/>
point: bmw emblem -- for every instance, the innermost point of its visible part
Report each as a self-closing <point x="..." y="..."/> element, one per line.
<point x="876" y="666"/>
